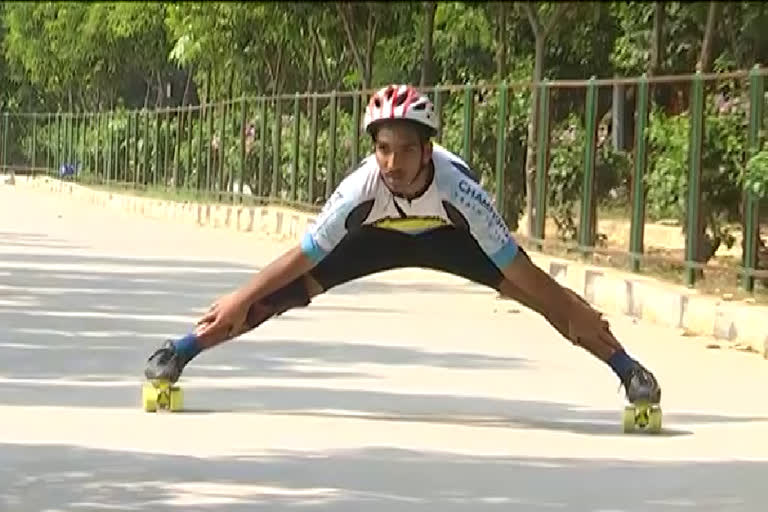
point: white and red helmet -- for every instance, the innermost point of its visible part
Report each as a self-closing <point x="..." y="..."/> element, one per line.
<point x="400" y="102"/>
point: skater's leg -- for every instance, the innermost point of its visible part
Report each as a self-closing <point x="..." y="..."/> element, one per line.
<point x="640" y="384"/>
<point x="597" y="347"/>
<point x="455" y="251"/>
<point x="364" y="252"/>
<point x="169" y="360"/>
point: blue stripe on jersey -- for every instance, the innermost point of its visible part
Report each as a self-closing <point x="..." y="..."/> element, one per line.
<point x="311" y="249"/>
<point x="465" y="171"/>
<point x="505" y="255"/>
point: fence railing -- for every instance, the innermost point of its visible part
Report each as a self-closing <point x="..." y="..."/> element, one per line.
<point x="610" y="160"/>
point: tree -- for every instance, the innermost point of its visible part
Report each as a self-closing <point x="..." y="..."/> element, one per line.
<point x="541" y="31"/>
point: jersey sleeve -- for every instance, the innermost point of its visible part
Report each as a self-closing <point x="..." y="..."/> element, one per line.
<point x="329" y="227"/>
<point x="485" y="223"/>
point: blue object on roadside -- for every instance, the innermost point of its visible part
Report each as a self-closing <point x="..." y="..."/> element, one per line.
<point x="67" y="170"/>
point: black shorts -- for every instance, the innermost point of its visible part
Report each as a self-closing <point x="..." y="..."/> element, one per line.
<point x="369" y="250"/>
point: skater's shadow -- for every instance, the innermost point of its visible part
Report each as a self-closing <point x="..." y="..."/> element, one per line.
<point x="470" y="411"/>
<point x="592" y="426"/>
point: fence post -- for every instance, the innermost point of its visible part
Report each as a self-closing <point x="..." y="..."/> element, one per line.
<point x="296" y="140"/>
<point x="312" y="151"/>
<point x="5" y="141"/>
<point x="177" y="147"/>
<point x="694" y="178"/>
<point x="110" y="143"/>
<point x="356" y="100"/>
<point x="146" y="168"/>
<point x="210" y="171"/>
<point x="751" y="206"/>
<point x="243" y="130"/>
<point x="67" y="139"/>
<point x="542" y="164"/>
<point x="156" y="146"/>
<point x="136" y="166"/>
<point x="501" y="138"/>
<point x="166" y="142"/>
<point x="49" y="129"/>
<point x="34" y="143"/>
<point x="263" y="147"/>
<point x="636" y="241"/>
<point x="586" y="234"/>
<point x="468" y="124"/>
<point x="439" y="113"/>
<point x="330" y="181"/>
<point x="200" y="146"/>
<point x="127" y="160"/>
<point x="276" y="156"/>
<point x="221" y="152"/>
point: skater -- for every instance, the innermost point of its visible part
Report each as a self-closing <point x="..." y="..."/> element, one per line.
<point x="411" y="203"/>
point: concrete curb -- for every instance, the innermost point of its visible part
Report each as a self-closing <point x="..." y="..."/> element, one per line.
<point x="742" y="325"/>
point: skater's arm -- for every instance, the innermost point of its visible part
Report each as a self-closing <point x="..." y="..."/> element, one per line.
<point x="281" y="271"/>
<point x="229" y="313"/>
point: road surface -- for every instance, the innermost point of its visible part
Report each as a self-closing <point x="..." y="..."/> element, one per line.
<point x="407" y="391"/>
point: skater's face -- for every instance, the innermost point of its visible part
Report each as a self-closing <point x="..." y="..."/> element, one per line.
<point x="401" y="153"/>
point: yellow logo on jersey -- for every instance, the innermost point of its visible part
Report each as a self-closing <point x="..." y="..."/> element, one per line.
<point x="410" y="224"/>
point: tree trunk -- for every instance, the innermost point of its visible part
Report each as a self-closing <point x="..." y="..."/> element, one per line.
<point x="345" y="21"/>
<point x="541" y="33"/>
<point x="185" y="98"/>
<point x="321" y="55"/>
<point x="312" y="69"/>
<point x="160" y="92"/>
<point x="530" y="157"/>
<point x="370" y="47"/>
<point x="657" y="41"/>
<point x="705" y="57"/>
<point x="146" y="94"/>
<point x="501" y="41"/>
<point x="364" y="62"/>
<point x="429" y="24"/>
<point x="707" y="246"/>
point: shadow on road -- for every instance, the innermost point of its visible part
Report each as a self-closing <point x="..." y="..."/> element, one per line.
<point x="79" y="337"/>
<point x="373" y="479"/>
<point x="84" y="325"/>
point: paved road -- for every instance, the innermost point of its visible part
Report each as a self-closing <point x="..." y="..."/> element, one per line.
<point x="409" y="391"/>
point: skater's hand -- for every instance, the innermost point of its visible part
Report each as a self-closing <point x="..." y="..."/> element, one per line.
<point x="225" y="316"/>
<point x="587" y="323"/>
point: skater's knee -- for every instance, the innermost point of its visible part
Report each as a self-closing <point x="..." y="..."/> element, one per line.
<point x="294" y="294"/>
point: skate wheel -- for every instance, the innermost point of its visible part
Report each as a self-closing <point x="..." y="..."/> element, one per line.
<point x="149" y="397"/>
<point x="629" y="418"/>
<point x="654" y="423"/>
<point x="162" y="396"/>
<point x="176" y="399"/>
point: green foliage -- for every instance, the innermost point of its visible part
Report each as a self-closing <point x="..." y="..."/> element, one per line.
<point x="756" y="174"/>
<point x="75" y="57"/>
<point x="566" y="174"/>
<point x="723" y="150"/>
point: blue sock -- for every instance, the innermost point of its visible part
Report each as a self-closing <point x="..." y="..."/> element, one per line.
<point x="621" y="363"/>
<point x="187" y="347"/>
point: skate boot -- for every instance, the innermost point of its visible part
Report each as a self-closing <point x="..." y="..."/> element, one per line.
<point x="644" y="395"/>
<point x="164" y="364"/>
<point x="163" y="369"/>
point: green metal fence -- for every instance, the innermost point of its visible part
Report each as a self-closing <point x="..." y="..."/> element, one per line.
<point x="667" y="135"/>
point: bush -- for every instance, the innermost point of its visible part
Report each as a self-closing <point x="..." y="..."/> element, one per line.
<point x="722" y="166"/>
<point x="566" y="174"/>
